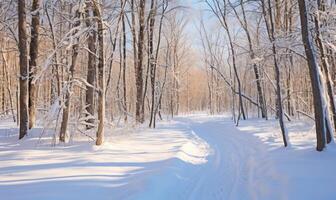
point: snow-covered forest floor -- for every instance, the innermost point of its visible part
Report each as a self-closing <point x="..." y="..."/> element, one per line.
<point x="190" y="157"/>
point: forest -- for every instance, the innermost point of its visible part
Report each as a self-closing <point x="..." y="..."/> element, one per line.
<point x="134" y="99"/>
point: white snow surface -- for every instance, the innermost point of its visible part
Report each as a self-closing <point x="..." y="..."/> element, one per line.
<point x="190" y="157"/>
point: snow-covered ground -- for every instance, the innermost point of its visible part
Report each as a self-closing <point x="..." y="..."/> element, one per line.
<point x="190" y="157"/>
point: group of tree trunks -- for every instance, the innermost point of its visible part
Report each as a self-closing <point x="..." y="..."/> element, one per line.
<point x="145" y="21"/>
<point x="28" y="67"/>
<point x="277" y="22"/>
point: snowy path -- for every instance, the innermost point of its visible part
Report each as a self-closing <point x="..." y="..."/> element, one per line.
<point x="229" y="171"/>
<point x="225" y="176"/>
<point x="193" y="157"/>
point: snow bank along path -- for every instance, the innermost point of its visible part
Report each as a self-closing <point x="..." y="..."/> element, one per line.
<point x="193" y="157"/>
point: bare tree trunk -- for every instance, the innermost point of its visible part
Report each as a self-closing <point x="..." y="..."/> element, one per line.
<point x="55" y="90"/>
<point x="175" y="82"/>
<point x="114" y="42"/>
<point x="289" y="86"/>
<point x="18" y="104"/>
<point x="124" y="65"/>
<point x="233" y="54"/>
<point x="152" y="60"/>
<point x="134" y="39"/>
<point x="6" y="79"/>
<point x="3" y="82"/>
<point x="221" y="12"/>
<point x="327" y="77"/>
<point x="270" y="30"/>
<point x="149" y="48"/>
<point x="91" y="69"/>
<point x="33" y="51"/>
<point x="277" y="15"/>
<point x="66" y="109"/>
<point x="315" y="76"/>
<point x="209" y="84"/>
<point x="139" y="68"/>
<point x="24" y="89"/>
<point x="158" y="105"/>
<point x="256" y="70"/>
<point x="244" y="24"/>
<point x="101" y="75"/>
<point x="154" y="64"/>
<point x="288" y="20"/>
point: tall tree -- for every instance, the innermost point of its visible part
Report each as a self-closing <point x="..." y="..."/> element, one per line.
<point x="155" y="58"/>
<point x="220" y="9"/>
<point x="271" y="34"/>
<point x="101" y="74"/>
<point x="327" y="77"/>
<point x="139" y="111"/>
<point x="7" y="83"/>
<point x="315" y="77"/>
<point x="23" y="49"/>
<point x="75" y="51"/>
<point x="244" y="23"/>
<point x="33" y="54"/>
<point x="151" y="56"/>
<point x="124" y="64"/>
<point x="91" y="67"/>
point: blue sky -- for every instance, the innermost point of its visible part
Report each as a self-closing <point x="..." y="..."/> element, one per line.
<point x="195" y="8"/>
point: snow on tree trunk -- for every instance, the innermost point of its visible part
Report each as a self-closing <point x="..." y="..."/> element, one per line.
<point x="67" y="103"/>
<point x="271" y="34"/>
<point x="101" y="75"/>
<point x="91" y="68"/>
<point x="316" y="78"/>
<point x="33" y="51"/>
<point x="139" y="115"/>
<point x="24" y="91"/>
<point x="331" y="107"/>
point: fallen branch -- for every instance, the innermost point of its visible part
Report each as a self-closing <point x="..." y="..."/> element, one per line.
<point x="305" y="114"/>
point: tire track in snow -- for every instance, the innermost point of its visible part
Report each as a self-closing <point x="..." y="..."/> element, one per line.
<point x="230" y="169"/>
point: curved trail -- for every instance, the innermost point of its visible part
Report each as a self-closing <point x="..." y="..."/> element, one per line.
<point x="233" y="160"/>
<point x="195" y="157"/>
<point x="226" y="174"/>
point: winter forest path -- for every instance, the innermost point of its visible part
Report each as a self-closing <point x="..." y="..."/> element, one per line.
<point x="226" y="174"/>
<point x="236" y="166"/>
<point x="196" y="157"/>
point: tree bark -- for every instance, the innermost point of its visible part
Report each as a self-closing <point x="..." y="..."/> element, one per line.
<point x="255" y="67"/>
<point x="6" y="79"/>
<point x="67" y="103"/>
<point x="315" y="76"/>
<point x="271" y="31"/>
<point x="91" y="69"/>
<point x="55" y="88"/>
<point x="152" y="59"/>
<point x="327" y="76"/>
<point x="124" y="66"/>
<point x="23" y="49"/>
<point x="139" y="113"/>
<point x="33" y="51"/>
<point x="101" y="75"/>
